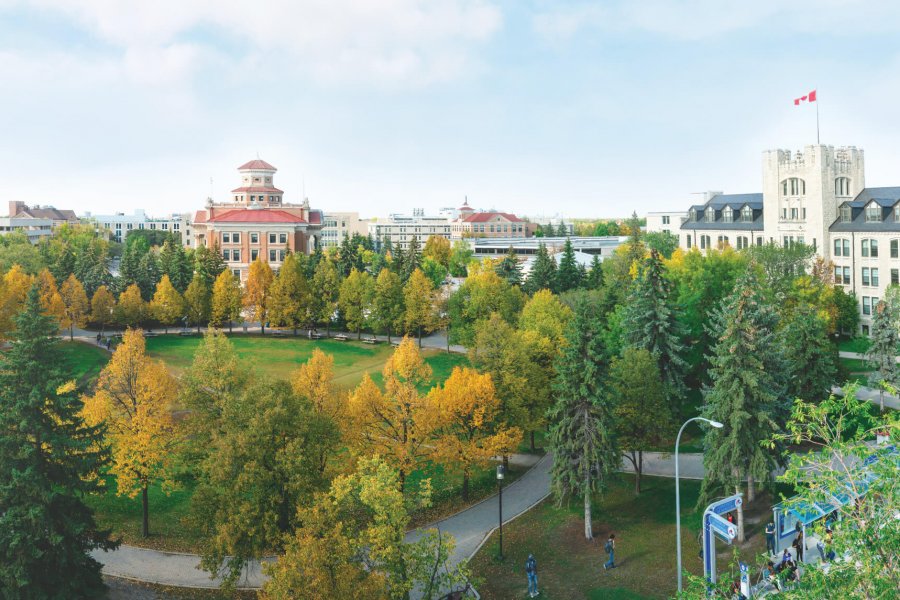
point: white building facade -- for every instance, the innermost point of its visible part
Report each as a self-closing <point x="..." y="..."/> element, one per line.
<point x="339" y="225"/>
<point x="666" y="222"/>
<point x="118" y="226"/>
<point x="399" y="230"/>
<point x="817" y="197"/>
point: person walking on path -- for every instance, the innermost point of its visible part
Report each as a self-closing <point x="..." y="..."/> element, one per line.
<point x="798" y="544"/>
<point x="770" y="538"/>
<point x="610" y="549"/>
<point x="531" y="572"/>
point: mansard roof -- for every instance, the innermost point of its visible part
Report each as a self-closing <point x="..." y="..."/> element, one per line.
<point x="887" y="198"/>
<point x="733" y="202"/>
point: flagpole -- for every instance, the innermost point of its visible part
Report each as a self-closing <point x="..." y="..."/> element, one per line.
<point x="817" y="117"/>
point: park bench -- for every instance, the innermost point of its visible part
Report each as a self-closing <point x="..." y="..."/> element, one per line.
<point x="317" y="335"/>
<point x="341" y="337"/>
<point x="370" y="340"/>
<point x="186" y="332"/>
<point x="150" y="334"/>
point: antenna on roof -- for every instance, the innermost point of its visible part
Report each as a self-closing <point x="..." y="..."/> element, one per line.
<point x="211" y="187"/>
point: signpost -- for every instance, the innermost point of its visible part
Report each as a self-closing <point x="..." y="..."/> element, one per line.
<point x="714" y="525"/>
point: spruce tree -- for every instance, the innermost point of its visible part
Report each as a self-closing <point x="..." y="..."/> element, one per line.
<point x="543" y="272"/>
<point x="562" y="230"/>
<point x="746" y="393"/>
<point x="810" y="355"/>
<point x="582" y="438"/>
<point x="883" y="350"/>
<point x="409" y="259"/>
<point x="568" y="277"/>
<point x="49" y="461"/>
<point x="594" y="280"/>
<point x="148" y="275"/>
<point x="509" y="268"/>
<point x="173" y="261"/>
<point x="649" y="323"/>
<point x="209" y="263"/>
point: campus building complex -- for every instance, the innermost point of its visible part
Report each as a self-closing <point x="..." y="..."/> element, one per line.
<point x="119" y="225"/>
<point x="399" y="230"/>
<point x="818" y="197"/>
<point x="487" y="224"/>
<point x="256" y="222"/>
<point x="340" y="225"/>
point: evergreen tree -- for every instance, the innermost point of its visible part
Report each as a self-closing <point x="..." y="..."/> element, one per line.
<point x="543" y="272"/>
<point x="209" y="263"/>
<point x="745" y="393"/>
<point x="809" y="354"/>
<point x="568" y="277"/>
<point x="49" y="461"/>
<point x="649" y="323"/>
<point x="594" y="280"/>
<point x="883" y="350"/>
<point x="582" y="438"/>
<point x="173" y="261"/>
<point x="129" y="267"/>
<point x="509" y="268"/>
<point x="562" y="230"/>
<point x="148" y="275"/>
<point x="409" y="259"/>
<point x="92" y="267"/>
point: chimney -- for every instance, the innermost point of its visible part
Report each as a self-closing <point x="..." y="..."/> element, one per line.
<point x="15" y="207"/>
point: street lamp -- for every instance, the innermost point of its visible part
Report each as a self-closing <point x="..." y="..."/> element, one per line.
<point x="717" y="425"/>
<point x="501" y="471"/>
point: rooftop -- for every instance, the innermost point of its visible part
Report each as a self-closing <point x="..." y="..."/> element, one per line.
<point x="247" y="215"/>
<point x="256" y="165"/>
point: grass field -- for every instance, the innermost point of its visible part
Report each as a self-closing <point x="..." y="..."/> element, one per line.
<point x="83" y="361"/>
<point x="571" y="567"/>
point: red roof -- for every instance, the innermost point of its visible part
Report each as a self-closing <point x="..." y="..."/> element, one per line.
<point x="258" y="190"/>
<point x="483" y="217"/>
<point x="200" y="216"/>
<point x="260" y="215"/>
<point x="257" y="165"/>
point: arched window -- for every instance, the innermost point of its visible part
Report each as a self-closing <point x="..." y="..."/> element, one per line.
<point x="842" y="186"/>
<point x="747" y="214"/>
<point x="793" y="187"/>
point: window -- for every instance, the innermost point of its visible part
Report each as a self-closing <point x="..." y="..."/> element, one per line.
<point x="746" y="214"/>
<point x="866" y="246"/>
<point x="665" y="220"/>
<point x="895" y="276"/>
<point x="875" y="277"/>
<point x="688" y="239"/>
<point x="897" y="214"/>
<point x="272" y="238"/>
<point x="846" y="214"/>
<point x="693" y="214"/>
<point x="865" y="330"/>
<point x="842" y="186"/>
<point x="226" y="238"/>
<point x="254" y="254"/>
<point x="847" y="278"/>
<point x="837" y="274"/>
<point x="837" y="247"/>
<point x="704" y="242"/>
<point x="742" y="242"/>
<point x="873" y="213"/>
<point x="759" y="241"/>
<point x="867" y="305"/>
<point x="784" y="214"/>
<point x="281" y="255"/>
<point x="794" y="214"/>
<point x="895" y="248"/>
<point x="710" y="215"/>
<point x="727" y="215"/>
<point x="282" y="238"/>
<point x="865" y="276"/>
<point x="272" y="254"/>
<point x="846" y="247"/>
<point x="254" y="238"/>
<point x="165" y="225"/>
<point x="236" y="255"/>
<point x="803" y="213"/>
<point x="236" y="273"/>
<point x="235" y="238"/>
<point x="722" y="241"/>
<point x="874" y="248"/>
<point x="226" y="254"/>
<point x="793" y="187"/>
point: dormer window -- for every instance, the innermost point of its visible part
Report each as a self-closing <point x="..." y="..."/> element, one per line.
<point x="693" y="215"/>
<point x="896" y="212"/>
<point x="710" y="215"/>
<point x="746" y="214"/>
<point x="727" y="215"/>
<point x="873" y="213"/>
<point x="845" y="214"/>
<point x="793" y="187"/>
<point x="842" y="186"/>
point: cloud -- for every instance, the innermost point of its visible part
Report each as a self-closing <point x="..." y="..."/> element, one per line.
<point x="698" y="19"/>
<point x="385" y="41"/>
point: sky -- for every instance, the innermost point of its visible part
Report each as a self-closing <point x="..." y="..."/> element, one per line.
<point x="538" y="107"/>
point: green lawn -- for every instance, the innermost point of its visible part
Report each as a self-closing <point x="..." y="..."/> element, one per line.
<point x="857" y="344"/>
<point x="571" y="567"/>
<point x="83" y="361"/>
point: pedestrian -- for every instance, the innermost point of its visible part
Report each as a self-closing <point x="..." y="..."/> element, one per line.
<point x="107" y="343"/>
<point x="771" y="576"/>
<point x="730" y="518"/>
<point x="798" y="544"/>
<point x="770" y="539"/>
<point x="785" y="557"/>
<point x="610" y="549"/>
<point x="531" y="572"/>
<point x="99" y="337"/>
<point x="829" y="551"/>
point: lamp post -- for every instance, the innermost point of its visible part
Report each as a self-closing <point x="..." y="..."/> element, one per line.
<point x="717" y="425"/>
<point x="501" y="471"/>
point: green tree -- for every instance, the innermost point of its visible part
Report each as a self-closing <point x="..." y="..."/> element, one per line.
<point x="480" y="295"/>
<point x="594" y="279"/>
<point x="434" y="271"/>
<point x="92" y="265"/>
<point x="197" y="301"/>
<point x="326" y="290"/>
<point x="547" y="316"/>
<point x="257" y="475"/>
<point x="409" y="260"/>
<point x="642" y="412"/>
<point x="209" y="263"/>
<point x="745" y="393"/>
<point x="130" y="265"/>
<point x="49" y="462"/>
<point x="355" y="298"/>
<point x="289" y="299"/>
<point x="847" y="305"/>
<point x="543" y="272"/>
<point x="226" y="302"/>
<point x="174" y="262"/>
<point x="258" y="291"/>
<point x="437" y="247"/>
<point x="15" y="249"/>
<point x="809" y="354"/>
<point x="649" y="322"/>
<point x="883" y="351"/>
<point x="662" y="241"/>
<point x="582" y="435"/>
<point x="509" y="269"/>
<point x="781" y="264"/>
<point x="167" y="305"/>
<point x="460" y="256"/>
<point x="418" y="298"/>
<point x="387" y="303"/>
<point x="568" y="277"/>
<point x="148" y="275"/>
<point x="562" y="230"/>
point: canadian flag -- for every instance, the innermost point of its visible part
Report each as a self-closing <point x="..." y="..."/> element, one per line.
<point x="810" y="97"/>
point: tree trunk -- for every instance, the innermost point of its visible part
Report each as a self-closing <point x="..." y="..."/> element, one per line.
<point x="638" y="471"/>
<point x="465" y="490"/>
<point x="402" y="477"/>
<point x="532" y="441"/>
<point x="72" y="339"/>
<point x="420" y="337"/>
<point x="740" y="518"/>
<point x="359" y="332"/>
<point x="588" y="527"/>
<point x="145" y="525"/>
<point x="229" y="326"/>
<point x="751" y="489"/>
<point x="389" y="334"/>
<point x="262" y="327"/>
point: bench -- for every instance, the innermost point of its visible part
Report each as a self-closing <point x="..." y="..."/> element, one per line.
<point x="280" y="332"/>
<point x="150" y="334"/>
<point x="370" y="340"/>
<point x="186" y="332"/>
<point x="341" y="337"/>
<point x="317" y="336"/>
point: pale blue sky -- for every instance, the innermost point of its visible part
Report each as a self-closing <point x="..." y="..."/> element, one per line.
<point x="581" y="108"/>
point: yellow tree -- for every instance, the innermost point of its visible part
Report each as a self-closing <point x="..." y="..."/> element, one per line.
<point x="16" y="284"/>
<point x="314" y="380"/>
<point x="387" y="302"/>
<point x="167" y="304"/>
<point x="226" y="300"/>
<point x="51" y="301"/>
<point x="437" y="248"/>
<point x="326" y="288"/>
<point x="469" y="429"/>
<point x="397" y="423"/>
<point x="76" y="304"/>
<point x="131" y="309"/>
<point x="134" y="399"/>
<point x="418" y="297"/>
<point x="196" y="301"/>
<point x="289" y="295"/>
<point x="545" y="315"/>
<point x="103" y="307"/>
<point x="355" y="298"/>
<point x="256" y="294"/>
